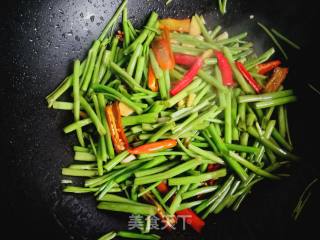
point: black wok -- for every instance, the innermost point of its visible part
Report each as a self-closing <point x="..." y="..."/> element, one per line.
<point x="39" y="40"/>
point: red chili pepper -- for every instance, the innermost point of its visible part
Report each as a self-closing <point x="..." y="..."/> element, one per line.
<point x="162" y="50"/>
<point x="277" y="78"/>
<point x="118" y="135"/>
<point x="154" y="147"/>
<point x="192" y="72"/>
<point x="163" y="187"/>
<point x="152" y="81"/>
<point x="264" y="68"/>
<point x="180" y="25"/>
<point x="188" y="77"/>
<point x="166" y="36"/>
<point x="185" y="59"/>
<point x="192" y="219"/>
<point x="253" y="83"/>
<point x="225" y="69"/>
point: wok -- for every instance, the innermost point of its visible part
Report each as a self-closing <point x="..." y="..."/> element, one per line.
<point x="39" y="40"/>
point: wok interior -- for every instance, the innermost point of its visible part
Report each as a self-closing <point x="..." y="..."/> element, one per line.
<point x="48" y="35"/>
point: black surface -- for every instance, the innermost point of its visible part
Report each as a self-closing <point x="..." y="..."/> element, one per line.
<point x="39" y="40"/>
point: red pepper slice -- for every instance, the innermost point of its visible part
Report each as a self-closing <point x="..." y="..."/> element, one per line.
<point x="185" y="59"/>
<point x="192" y="219"/>
<point x="225" y="69"/>
<point x="180" y="25"/>
<point x="166" y="36"/>
<point x="264" y="68"/>
<point x="118" y="135"/>
<point x="277" y="78"/>
<point x="162" y="50"/>
<point x="188" y="77"/>
<point x="154" y="147"/>
<point x="152" y="81"/>
<point x="253" y="83"/>
<point x="191" y="73"/>
<point x="163" y="187"/>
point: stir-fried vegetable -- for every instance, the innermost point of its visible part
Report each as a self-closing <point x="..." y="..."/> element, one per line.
<point x="171" y="122"/>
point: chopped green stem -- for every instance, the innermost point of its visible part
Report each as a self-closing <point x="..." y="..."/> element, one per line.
<point x="79" y="172"/>
<point x="189" y="204"/>
<point x="242" y="148"/>
<point x="197" y="179"/>
<point x="228" y="118"/>
<point x="96" y="121"/>
<point x="252" y="167"/>
<point x="263" y="58"/>
<point x="76" y="125"/>
<point x="138" y="119"/>
<point x="113" y="20"/>
<point x="215" y="196"/>
<point x="285" y="39"/>
<point x="62" y="105"/>
<point x="206" y="154"/>
<point x="84" y="156"/>
<point x="199" y="191"/>
<point x="267" y="143"/>
<point x="274" y="40"/>
<point x="128" y="208"/>
<point x="169" y="194"/>
<point x="264" y="96"/>
<point x="275" y="102"/>
<point x="111" y="164"/>
<point x="91" y="63"/>
<point x="139" y="69"/>
<point x="143" y="35"/>
<point x="119" y="96"/>
<point x="133" y="60"/>
<point x="204" y="30"/>
<point x="215" y="31"/>
<point x="150" y="171"/>
<point x="168" y="174"/>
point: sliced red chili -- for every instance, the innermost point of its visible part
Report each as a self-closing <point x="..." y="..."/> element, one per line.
<point x="264" y="68"/>
<point x="118" y="135"/>
<point x="188" y="77"/>
<point x="252" y="82"/>
<point x="185" y="59"/>
<point x="154" y="147"/>
<point x="162" y="50"/>
<point x="192" y="219"/>
<point x="277" y="78"/>
<point x="225" y="69"/>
